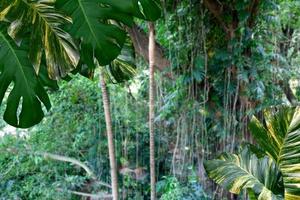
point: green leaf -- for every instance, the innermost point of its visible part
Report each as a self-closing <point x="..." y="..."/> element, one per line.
<point x="246" y="171"/>
<point x="98" y="24"/>
<point x="43" y="23"/>
<point x="91" y="24"/>
<point x="144" y="9"/>
<point x="87" y="64"/>
<point x="18" y="79"/>
<point x="280" y="138"/>
<point x="123" y="67"/>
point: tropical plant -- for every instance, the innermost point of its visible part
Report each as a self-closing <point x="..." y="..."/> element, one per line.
<point x="62" y="35"/>
<point x="268" y="172"/>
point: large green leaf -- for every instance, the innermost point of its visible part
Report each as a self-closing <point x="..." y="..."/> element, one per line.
<point x="19" y="81"/>
<point x="98" y="24"/>
<point x="41" y="22"/>
<point x="246" y="171"/>
<point x="280" y="138"/>
<point x="144" y="9"/>
<point x="103" y="39"/>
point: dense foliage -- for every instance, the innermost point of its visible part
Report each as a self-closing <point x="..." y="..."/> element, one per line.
<point x="223" y="61"/>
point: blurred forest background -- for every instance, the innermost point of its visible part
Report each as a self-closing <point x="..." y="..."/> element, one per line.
<point x="218" y="63"/>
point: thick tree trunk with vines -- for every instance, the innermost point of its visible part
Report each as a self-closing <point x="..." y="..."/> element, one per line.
<point x="151" y="108"/>
<point x="110" y="138"/>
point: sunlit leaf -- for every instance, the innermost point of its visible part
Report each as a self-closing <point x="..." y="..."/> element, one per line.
<point x="43" y="23"/>
<point x="246" y="171"/>
<point x="280" y="138"/>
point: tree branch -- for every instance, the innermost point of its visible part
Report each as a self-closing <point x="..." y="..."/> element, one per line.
<point x="67" y="159"/>
<point x="285" y="86"/>
<point x="217" y="10"/>
<point x="96" y="196"/>
<point x="63" y="159"/>
<point x="253" y="10"/>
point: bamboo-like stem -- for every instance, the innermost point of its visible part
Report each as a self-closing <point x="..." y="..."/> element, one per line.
<point x="151" y="108"/>
<point x="110" y="138"/>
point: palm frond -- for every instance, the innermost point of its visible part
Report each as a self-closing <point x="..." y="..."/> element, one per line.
<point x="280" y="138"/>
<point x="246" y="171"/>
<point x="42" y="23"/>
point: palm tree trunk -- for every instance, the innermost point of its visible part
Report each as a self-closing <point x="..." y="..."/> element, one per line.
<point x="110" y="137"/>
<point x="151" y="108"/>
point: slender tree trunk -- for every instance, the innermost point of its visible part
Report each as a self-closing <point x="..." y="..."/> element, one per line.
<point x="151" y="108"/>
<point x="110" y="137"/>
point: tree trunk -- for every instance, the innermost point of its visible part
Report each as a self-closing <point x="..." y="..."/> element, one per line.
<point x="110" y="138"/>
<point x="151" y="108"/>
<point x="140" y="41"/>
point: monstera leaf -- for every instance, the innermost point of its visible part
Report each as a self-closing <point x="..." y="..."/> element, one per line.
<point x="280" y="138"/>
<point x="24" y="88"/>
<point x="246" y="171"/>
<point x="98" y="24"/>
<point x="144" y="9"/>
<point x="42" y="23"/>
